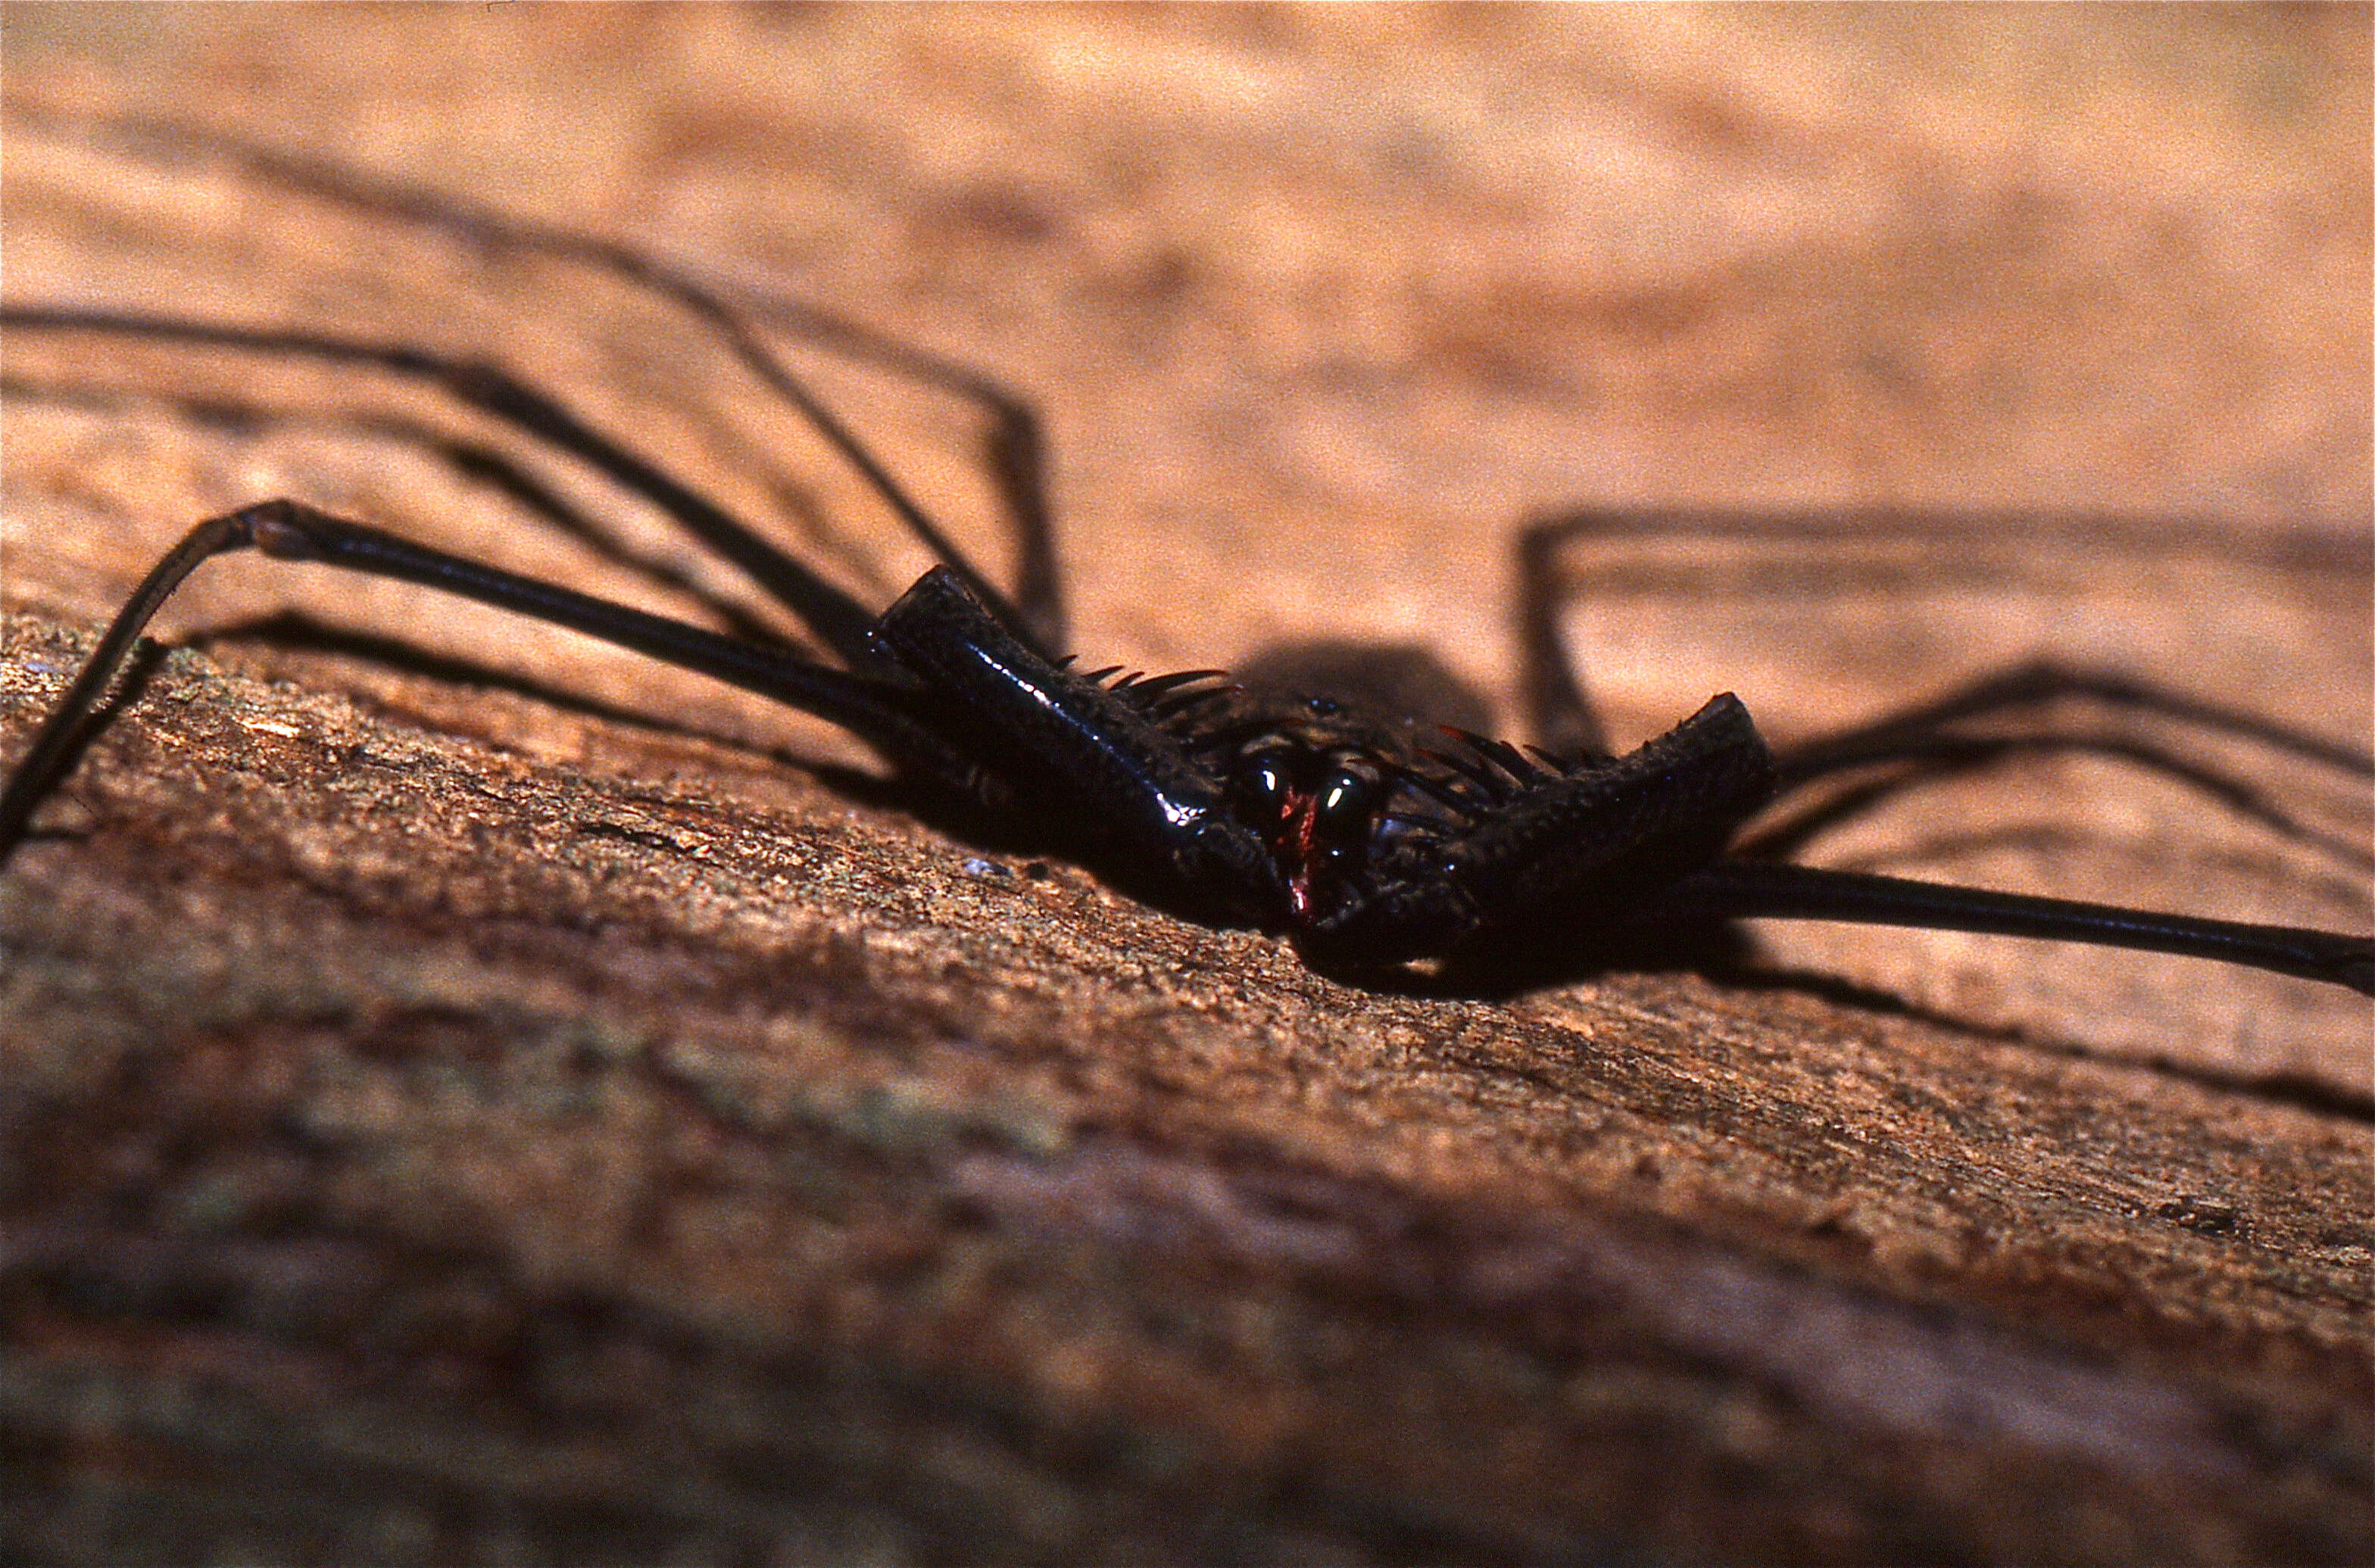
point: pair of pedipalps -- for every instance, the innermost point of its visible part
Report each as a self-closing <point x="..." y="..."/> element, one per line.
<point x="1373" y="834"/>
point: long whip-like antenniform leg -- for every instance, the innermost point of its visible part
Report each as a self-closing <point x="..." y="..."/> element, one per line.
<point x="1558" y="713"/>
<point x="2035" y="683"/>
<point x="1921" y="744"/>
<point x="473" y="462"/>
<point x="838" y="620"/>
<point x="1738" y="890"/>
<point x="1919" y="758"/>
<point x="1035" y="613"/>
<point x="1921" y="737"/>
<point x="875" y="710"/>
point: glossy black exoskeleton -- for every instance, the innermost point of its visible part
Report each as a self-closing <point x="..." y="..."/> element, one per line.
<point x="1371" y="837"/>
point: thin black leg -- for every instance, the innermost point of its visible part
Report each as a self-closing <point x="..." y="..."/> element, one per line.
<point x="468" y="460"/>
<point x="1732" y="890"/>
<point x="1559" y="715"/>
<point x="1014" y="452"/>
<point x="836" y="618"/>
<point x="1035" y="613"/>
<point x="1921" y="759"/>
<point x="2035" y="683"/>
<point x="1920" y="744"/>
<point x="877" y="711"/>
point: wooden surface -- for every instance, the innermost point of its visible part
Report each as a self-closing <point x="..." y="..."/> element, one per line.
<point x="467" y="1096"/>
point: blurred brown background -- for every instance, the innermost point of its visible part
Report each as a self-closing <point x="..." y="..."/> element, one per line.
<point x="1318" y="306"/>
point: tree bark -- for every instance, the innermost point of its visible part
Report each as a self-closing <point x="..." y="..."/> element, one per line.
<point x="466" y="1097"/>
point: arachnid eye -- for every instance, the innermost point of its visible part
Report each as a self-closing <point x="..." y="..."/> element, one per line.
<point x="1348" y="801"/>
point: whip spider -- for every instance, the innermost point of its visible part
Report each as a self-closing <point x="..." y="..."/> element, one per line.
<point x="1320" y="803"/>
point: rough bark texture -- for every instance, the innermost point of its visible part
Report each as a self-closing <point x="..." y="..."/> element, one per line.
<point x="467" y="1096"/>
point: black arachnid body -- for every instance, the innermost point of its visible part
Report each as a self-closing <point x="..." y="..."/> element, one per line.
<point x="1374" y="836"/>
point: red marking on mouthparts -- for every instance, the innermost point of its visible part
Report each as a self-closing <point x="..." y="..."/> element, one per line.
<point x="1297" y="843"/>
